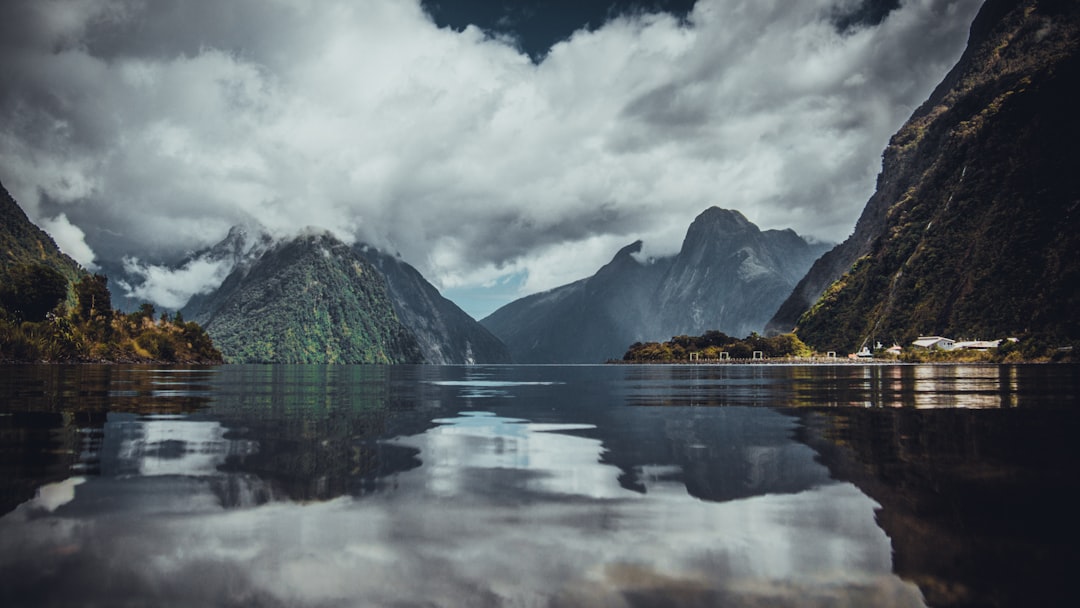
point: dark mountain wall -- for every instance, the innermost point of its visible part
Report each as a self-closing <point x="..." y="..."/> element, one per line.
<point x="309" y="300"/>
<point x="447" y="335"/>
<point x="728" y="276"/>
<point x="902" y="166"/>
<point x="973" y="230"/>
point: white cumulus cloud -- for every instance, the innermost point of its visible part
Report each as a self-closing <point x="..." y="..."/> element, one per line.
<point x="155" y="126"/>
<point x="171" y="288"/>
<point x="71" y="240"/>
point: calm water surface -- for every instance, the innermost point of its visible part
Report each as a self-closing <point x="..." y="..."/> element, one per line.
<point x="535" y="486"/>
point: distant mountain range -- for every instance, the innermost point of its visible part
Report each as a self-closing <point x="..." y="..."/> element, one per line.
<point x="729" y="276"/>
<point x="974" y="228"/>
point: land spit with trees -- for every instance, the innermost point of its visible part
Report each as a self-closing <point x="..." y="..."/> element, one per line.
<point x="716" y="346"/>
<point x="45" y="318"/>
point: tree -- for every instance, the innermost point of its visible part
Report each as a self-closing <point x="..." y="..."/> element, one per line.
<point x="30" y="291"/>
<point x="94" y="297"/>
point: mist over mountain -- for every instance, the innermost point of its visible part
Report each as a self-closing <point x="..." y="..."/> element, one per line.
<point x="729" y="276"/>
<point x="975" y="224"/>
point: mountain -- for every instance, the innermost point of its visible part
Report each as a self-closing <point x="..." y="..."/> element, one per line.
<point x="444" y="333"/>
<point x="728" y="276"/>
<point x="21" y="242"/>
<point x="975" y="224"/>
<point x="309" y="300"/>
<point x="588" y="321"/>
<point x="447" y="335"/>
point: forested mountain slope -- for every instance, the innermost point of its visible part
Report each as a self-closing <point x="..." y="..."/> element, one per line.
<point x="975" y="224"/>
<point x="308" y="300"/>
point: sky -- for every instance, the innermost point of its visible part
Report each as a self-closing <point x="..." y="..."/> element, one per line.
<point x="503" y="148"/>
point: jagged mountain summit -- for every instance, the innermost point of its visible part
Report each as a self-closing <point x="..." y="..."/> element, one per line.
<point x="308" y="300"/>
<point x="728" y="276"/>
<point x="975" y="224"/>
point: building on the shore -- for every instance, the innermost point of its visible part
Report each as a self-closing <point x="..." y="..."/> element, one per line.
<point x="932" y="342"/>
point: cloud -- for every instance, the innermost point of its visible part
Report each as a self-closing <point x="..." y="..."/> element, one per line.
<point x="154" y="127"/>
<point x="171" y="287"/>
<point x="70" y="239"/>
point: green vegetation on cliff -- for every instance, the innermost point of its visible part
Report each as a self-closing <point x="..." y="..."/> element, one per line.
<point x="982" y="235"/>
<point x="713" y="346"/>
<point x="309" y="300"/>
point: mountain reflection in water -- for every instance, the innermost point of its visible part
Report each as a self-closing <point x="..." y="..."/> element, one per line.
<point x="326" y="486"/>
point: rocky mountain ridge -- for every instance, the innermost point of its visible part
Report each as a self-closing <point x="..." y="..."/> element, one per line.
<point x="728" y="276"/>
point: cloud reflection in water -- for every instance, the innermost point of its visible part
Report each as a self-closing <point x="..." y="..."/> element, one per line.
<point x="502" y="512"/>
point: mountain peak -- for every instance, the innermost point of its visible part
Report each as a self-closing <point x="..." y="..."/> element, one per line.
<point x="729" y="277"/>
<point x="634" y="247"/>
<point x="729" y="219"/>
<point x="715" y="225"/>
<point x="717" y="221"/>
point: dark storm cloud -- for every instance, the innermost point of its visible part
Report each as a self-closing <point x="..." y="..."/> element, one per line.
<point x="146" y="129"/>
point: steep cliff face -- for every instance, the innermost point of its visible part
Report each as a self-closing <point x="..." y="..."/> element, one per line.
<point x="974" y="226"/>
<point x="728" y="276"/>
<point x="446" y="334"/>
<point x="902" y="167"/>
<point x="309" y="300"/>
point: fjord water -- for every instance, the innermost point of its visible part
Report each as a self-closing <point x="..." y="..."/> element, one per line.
<point x="520" y="485"/>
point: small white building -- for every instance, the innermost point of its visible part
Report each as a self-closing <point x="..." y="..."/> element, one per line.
<point x="931" y="342"/>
